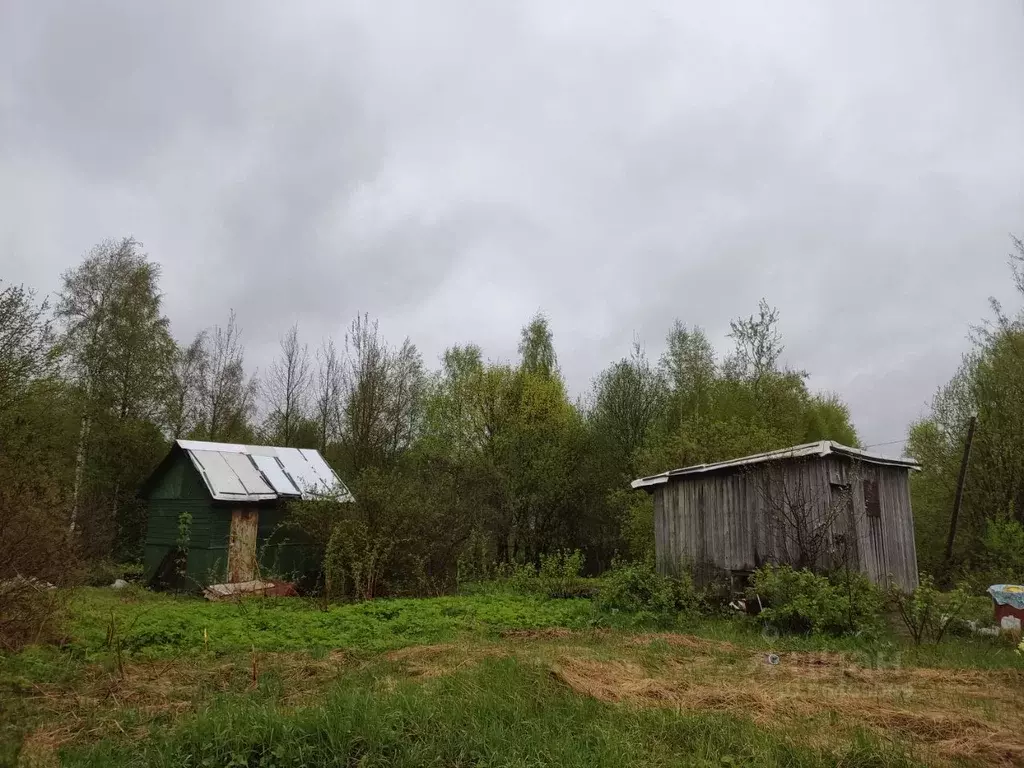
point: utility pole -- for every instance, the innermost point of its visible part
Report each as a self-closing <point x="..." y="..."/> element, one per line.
<point x="958" y="499"/>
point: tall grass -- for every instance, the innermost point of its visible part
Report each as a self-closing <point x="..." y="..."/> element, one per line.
<point x="501" y="713"/>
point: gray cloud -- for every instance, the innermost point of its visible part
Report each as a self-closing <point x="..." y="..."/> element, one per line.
<point x="452" y="167"/>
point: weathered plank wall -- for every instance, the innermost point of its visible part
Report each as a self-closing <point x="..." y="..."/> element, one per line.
<point x="719" y="523"/>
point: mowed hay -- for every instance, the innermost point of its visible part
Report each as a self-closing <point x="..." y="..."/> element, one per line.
<point x="549" y="633"/>
<point x="684" y="641"/>
<point x="429" y="661"/>
<point x="101" y="699"/>
<point x="925" y="706"/>
<point x="39" y="750"/>
<point x="612" y="680"/>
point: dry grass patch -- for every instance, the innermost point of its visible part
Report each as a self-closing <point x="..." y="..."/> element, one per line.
<point x="550" y="633"/>
<point x="124" y="702"/>
<point x="819" y="698"/>
<point x="429" y="661"/>
<point x="954" y="715"/>
<point x="691" y="642"/>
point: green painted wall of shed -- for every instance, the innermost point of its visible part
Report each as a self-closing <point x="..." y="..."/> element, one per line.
<point x="179" y="490"/>
<point x="179" y="480"/>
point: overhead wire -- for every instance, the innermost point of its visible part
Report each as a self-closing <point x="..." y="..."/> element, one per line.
<point x="888" y="442"/>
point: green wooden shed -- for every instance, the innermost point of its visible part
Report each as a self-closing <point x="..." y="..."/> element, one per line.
<point x="217" y="512"/>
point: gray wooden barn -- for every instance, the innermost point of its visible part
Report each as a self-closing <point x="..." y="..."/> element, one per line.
<point x="818" y="505"/>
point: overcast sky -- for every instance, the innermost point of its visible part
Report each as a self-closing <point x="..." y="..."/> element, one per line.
<point x="453" y="167"/>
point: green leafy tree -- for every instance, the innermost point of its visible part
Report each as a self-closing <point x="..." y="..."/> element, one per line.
<point x="37" y="425"/>
<point x="537" y="349"/>
<point x="689" y="367"/>
<point x="382" y="395"/>
<point x="629" y="402"/>
<point x="758" y="345"/>
<point x="989" y="384"/>
<point x="26" y="343"/>
<point x="120" y="353"/>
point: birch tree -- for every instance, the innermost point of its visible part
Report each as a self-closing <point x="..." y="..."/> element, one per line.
<point x="228" y="396"/>
<point x="382" y="393"/>
<point x="184" y="405"/>
<point x="537" y="349"/>
<point x="327" y="394"/>
<point x="117" y="341"/>
<point x="26" y="341"/>
<point x="286" y="387"/>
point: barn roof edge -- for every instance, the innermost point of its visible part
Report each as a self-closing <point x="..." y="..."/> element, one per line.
<point x="820" y="449"/>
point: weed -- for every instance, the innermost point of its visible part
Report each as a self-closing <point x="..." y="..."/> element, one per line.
<point x="640" y="595"/>
<point x="805" y="602"/>
<point x="926" y="612"/>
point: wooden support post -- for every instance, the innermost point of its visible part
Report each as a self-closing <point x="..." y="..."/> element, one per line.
<point x="958" y="499"/>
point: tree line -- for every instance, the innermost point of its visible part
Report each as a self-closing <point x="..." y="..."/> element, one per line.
<point x="988" y="545"/>
<point x="455" y="468"/>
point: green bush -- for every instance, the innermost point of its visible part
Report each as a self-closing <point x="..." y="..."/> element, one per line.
<point x="1002" y="558"/>
<point x="926" y="612"/>
<point x="560" y="575"/>
<point x="638" y="590"/>
<point x="801" y="601"/>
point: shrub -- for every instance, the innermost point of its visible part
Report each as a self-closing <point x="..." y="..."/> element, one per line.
<point x="925" y="611"/>
<point x="639" y="590"/>
<point x="801" y="601"/>
<point x="1001" y="560"/>
<point x="36" y="550"/>
<point x="33" y="612"/>
<point x="559" y="576"/>
<point x="355" y="561"/>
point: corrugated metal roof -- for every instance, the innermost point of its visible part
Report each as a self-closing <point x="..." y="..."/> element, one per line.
<point x="235" y="472"/>
<point x="821" y="448"/>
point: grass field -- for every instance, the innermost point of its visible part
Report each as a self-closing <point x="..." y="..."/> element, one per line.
<point x="490" y="680"/>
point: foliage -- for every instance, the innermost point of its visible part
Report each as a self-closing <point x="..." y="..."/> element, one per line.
<point x="559" y="575"/>
<point x="355" y="560"/>
<point x="648" y="597"/>
<point x="537" y="348"/>
<point x="26" y="343"/>
<point x="488" y="462"/>
<point x="1003" y="554"/>
<point x="35" y="547"/>
<point x="381" y="393"/>
<point x="160" y="625"/>
<point x="226" y="397"/>
<point x="801" y="601"/>
<point x="989" y="385"/>
<point x="628" y="402"/>
<point x="33" y="613"/>
<point x="634" y="514"/>
<point x="119" y="352"/>
<point x="926" y="612"/>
